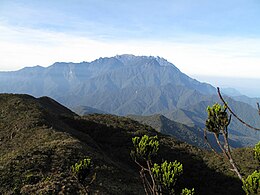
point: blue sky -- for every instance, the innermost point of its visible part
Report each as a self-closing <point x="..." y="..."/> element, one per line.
<point x="202" y="37"/>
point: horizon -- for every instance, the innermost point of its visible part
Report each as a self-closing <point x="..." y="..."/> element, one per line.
<point x="211" y="39"/>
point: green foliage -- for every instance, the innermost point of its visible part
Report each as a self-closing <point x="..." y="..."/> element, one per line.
<point x="82" y="168"/>
<point x="257" y="151"/>
<point x="217" y="118"/>
<point x="252" y="183"/>
<point x="167" y="174"/>
<point x="186" y="191"/>
<point x="145" y="147"/>
<point x="162" y="177"/>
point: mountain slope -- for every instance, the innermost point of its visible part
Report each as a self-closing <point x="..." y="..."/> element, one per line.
<point x="40" y="140"/>
<point x="128" y="84"/>
<point x="190" y="135"/>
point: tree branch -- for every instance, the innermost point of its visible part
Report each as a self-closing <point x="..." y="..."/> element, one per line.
<point x="152" y="178"/>
<point x="208" y="143"/>
<point x="244" y="123"/>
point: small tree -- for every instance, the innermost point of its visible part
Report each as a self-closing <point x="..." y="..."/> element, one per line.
<point x="217" y="123"/>
<point x="157" y="178"/>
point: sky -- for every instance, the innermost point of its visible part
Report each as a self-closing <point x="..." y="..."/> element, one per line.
<point x="202" y="38"/>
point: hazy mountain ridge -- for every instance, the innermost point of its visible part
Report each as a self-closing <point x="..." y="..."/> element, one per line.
<point x="147" y="70"/>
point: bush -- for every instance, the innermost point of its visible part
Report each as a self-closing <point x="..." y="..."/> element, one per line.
<point x="186" y="191"/>
<point x="257" y="151"/>
<point x="81" y="169"/>
<point x="217" y="118"/>
<point x="252" y="183"/>
<point x="167" y="174"/>
<point x="145" y="147"/>
<point x="157" y="179"/>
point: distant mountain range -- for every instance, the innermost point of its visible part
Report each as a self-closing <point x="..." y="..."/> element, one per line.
<point x="128" y="84"/>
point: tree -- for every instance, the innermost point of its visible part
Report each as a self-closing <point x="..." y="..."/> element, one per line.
<point x="217" y="123"/>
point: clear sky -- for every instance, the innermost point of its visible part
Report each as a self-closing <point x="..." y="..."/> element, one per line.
<point x="202" y="37"/>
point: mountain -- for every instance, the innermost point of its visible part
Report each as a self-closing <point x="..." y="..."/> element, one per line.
<point x="119" y="85"/>
<point x="128" y="84"/>
<point x="190" y="135"/>
<point x="40" y="140"/>
<point x="248" y="100"/>
<point x="236" y="95"/>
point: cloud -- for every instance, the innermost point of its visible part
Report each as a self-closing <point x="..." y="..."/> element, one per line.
<point x="237" y="57"/>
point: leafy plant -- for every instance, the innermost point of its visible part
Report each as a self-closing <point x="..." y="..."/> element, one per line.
<point x="82" y="168"/>
<point x="186" y="191"/>
<point x="145" y="147"/>
<point x="218" y="119"/>
<point x="157" y="178"/>
<point x="252" y="183"/>
<point x="167" y="174"/>
<point x="257" y="151"/>
<point x="217" y="123"/>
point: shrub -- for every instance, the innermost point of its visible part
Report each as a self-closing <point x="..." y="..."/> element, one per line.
<point x="81" y="169"/>
<point x="217" y="118"/>
<point x="157" y="179"/>
<point x="257" y="151"/>
<point x="167" y="174"/>
<point x="252" y="183"/>
<point x="186" y="191"/>
<point x="145" y="147"/>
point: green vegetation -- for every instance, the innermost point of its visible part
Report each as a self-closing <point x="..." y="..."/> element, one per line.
<point x="218" y="119"/>
<point x="186" y="191"/>
<point x="145" y="147"/>
<point x="82" y="168"/>
<point x="157" y="178"/>
<point x="257" y="151"/>
<point x="252" y="183"/>
<point x="217" y="123"/>
<point x="166" y="175"/>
